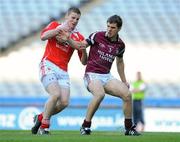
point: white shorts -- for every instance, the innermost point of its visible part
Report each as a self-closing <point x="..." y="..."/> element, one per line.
<point x="104" y="78"/>
<point x="49" y="73"/>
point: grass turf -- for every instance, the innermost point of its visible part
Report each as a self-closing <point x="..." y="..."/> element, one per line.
<point x="96" y="136"/>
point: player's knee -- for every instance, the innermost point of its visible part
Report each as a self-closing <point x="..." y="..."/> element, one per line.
<point x="128" y="97"/>
<point x="55" y="98"/>
<point x="64" y="104"/>
<point x="99" y="96"/>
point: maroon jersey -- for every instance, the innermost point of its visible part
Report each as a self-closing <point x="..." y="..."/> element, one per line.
<point x="103" y="52"/>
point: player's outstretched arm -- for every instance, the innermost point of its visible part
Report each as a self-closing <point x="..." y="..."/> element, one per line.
<point x="50" y="34"/>
<point x="79" y="45"/>
<point x="64" y="36"/>
<point x="84" y="57"/>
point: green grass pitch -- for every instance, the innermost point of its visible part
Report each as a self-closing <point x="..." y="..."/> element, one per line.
<point x="96" y="136"/>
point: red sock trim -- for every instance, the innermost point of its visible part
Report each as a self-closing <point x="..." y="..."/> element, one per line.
<point x="45" y="123"/>
<point x="40" y="116"/>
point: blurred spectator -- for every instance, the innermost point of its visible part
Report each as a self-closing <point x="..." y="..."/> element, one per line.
<point x="138" y="88"/>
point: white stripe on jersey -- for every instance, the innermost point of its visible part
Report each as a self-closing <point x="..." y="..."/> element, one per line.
<point x="92" y="37"/>
<point x="121" y="51"/>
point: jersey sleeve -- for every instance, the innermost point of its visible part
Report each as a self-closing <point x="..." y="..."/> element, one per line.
<point x="91" y="39"/>
<point x="121" y="51"/>
<point x="81" y="38"/>
<point x="51" y="26"/>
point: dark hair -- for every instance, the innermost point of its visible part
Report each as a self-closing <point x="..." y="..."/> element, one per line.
<point x="115" y="19"/>
<point x="74" y="9"/>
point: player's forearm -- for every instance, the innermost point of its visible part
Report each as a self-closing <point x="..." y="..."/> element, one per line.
<point x="74" y="44"/>
<point x="120" y="69"/>
<point x="77" y="44"/>
<point x="49" y="34"/>
<point x="123" y="78"/>
<point x="122" y="75"/>
<point x="84" y="57"/>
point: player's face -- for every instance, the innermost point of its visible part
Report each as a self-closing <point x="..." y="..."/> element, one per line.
<point x="72" y="20"/>
<point x="112" y="30"/>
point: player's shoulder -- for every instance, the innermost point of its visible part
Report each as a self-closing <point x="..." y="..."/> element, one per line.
<point x="81" y="37"/>
<point x="78" y="33"/>
<point x="50" y="26"/>
<point x="54" y="23"/>
<point x="121" y="42"/>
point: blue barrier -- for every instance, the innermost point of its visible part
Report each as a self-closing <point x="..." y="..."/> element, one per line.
<point x="17" y="113"/>
<point x="83" y="101"/>
<point x="77" y="102"/>
<point x="70" y="119"/>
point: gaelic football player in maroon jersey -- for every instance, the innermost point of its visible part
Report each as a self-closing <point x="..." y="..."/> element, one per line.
<point x="105" y="46"/>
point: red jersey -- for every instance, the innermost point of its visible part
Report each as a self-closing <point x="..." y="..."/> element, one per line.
<point x="60" y="54"/>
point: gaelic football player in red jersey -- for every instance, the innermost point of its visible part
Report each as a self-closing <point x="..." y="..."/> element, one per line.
<point x="105" y="46"/>
<point x="54" y="67"/>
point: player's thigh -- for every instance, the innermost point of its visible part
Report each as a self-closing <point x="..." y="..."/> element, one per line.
<point x="65" y="94"/>
<point x="116" y="88"/>
<point x="96" y="87"/>
<point x="62" y="93"/>
<point x="53" y="88"/>
<point x="50" y="83"/>
<point x="64" y="97"/>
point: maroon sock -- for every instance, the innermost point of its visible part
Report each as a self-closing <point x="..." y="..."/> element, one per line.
<point x="86" y="123"/>
<point x="128" y="123"/>
<point x="45" y="123"/>
<point x="40" y="116"/>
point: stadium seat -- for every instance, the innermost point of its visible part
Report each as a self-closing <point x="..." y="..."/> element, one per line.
<point x="23" y="18"/>
<point x="144" y="21"/>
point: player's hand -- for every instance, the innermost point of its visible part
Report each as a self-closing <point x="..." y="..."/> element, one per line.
<point x="82" y="45"/>
<point x="60" y="39"/>
<point x="127" y="84"/>
<point x="62" y="36"/>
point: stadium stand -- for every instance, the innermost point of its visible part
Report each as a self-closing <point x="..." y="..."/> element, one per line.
<point x="21" y="18"/>
<point x="151" y="26"/>
<point x="144" y="20"/>
<point x="35" y="89"/>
